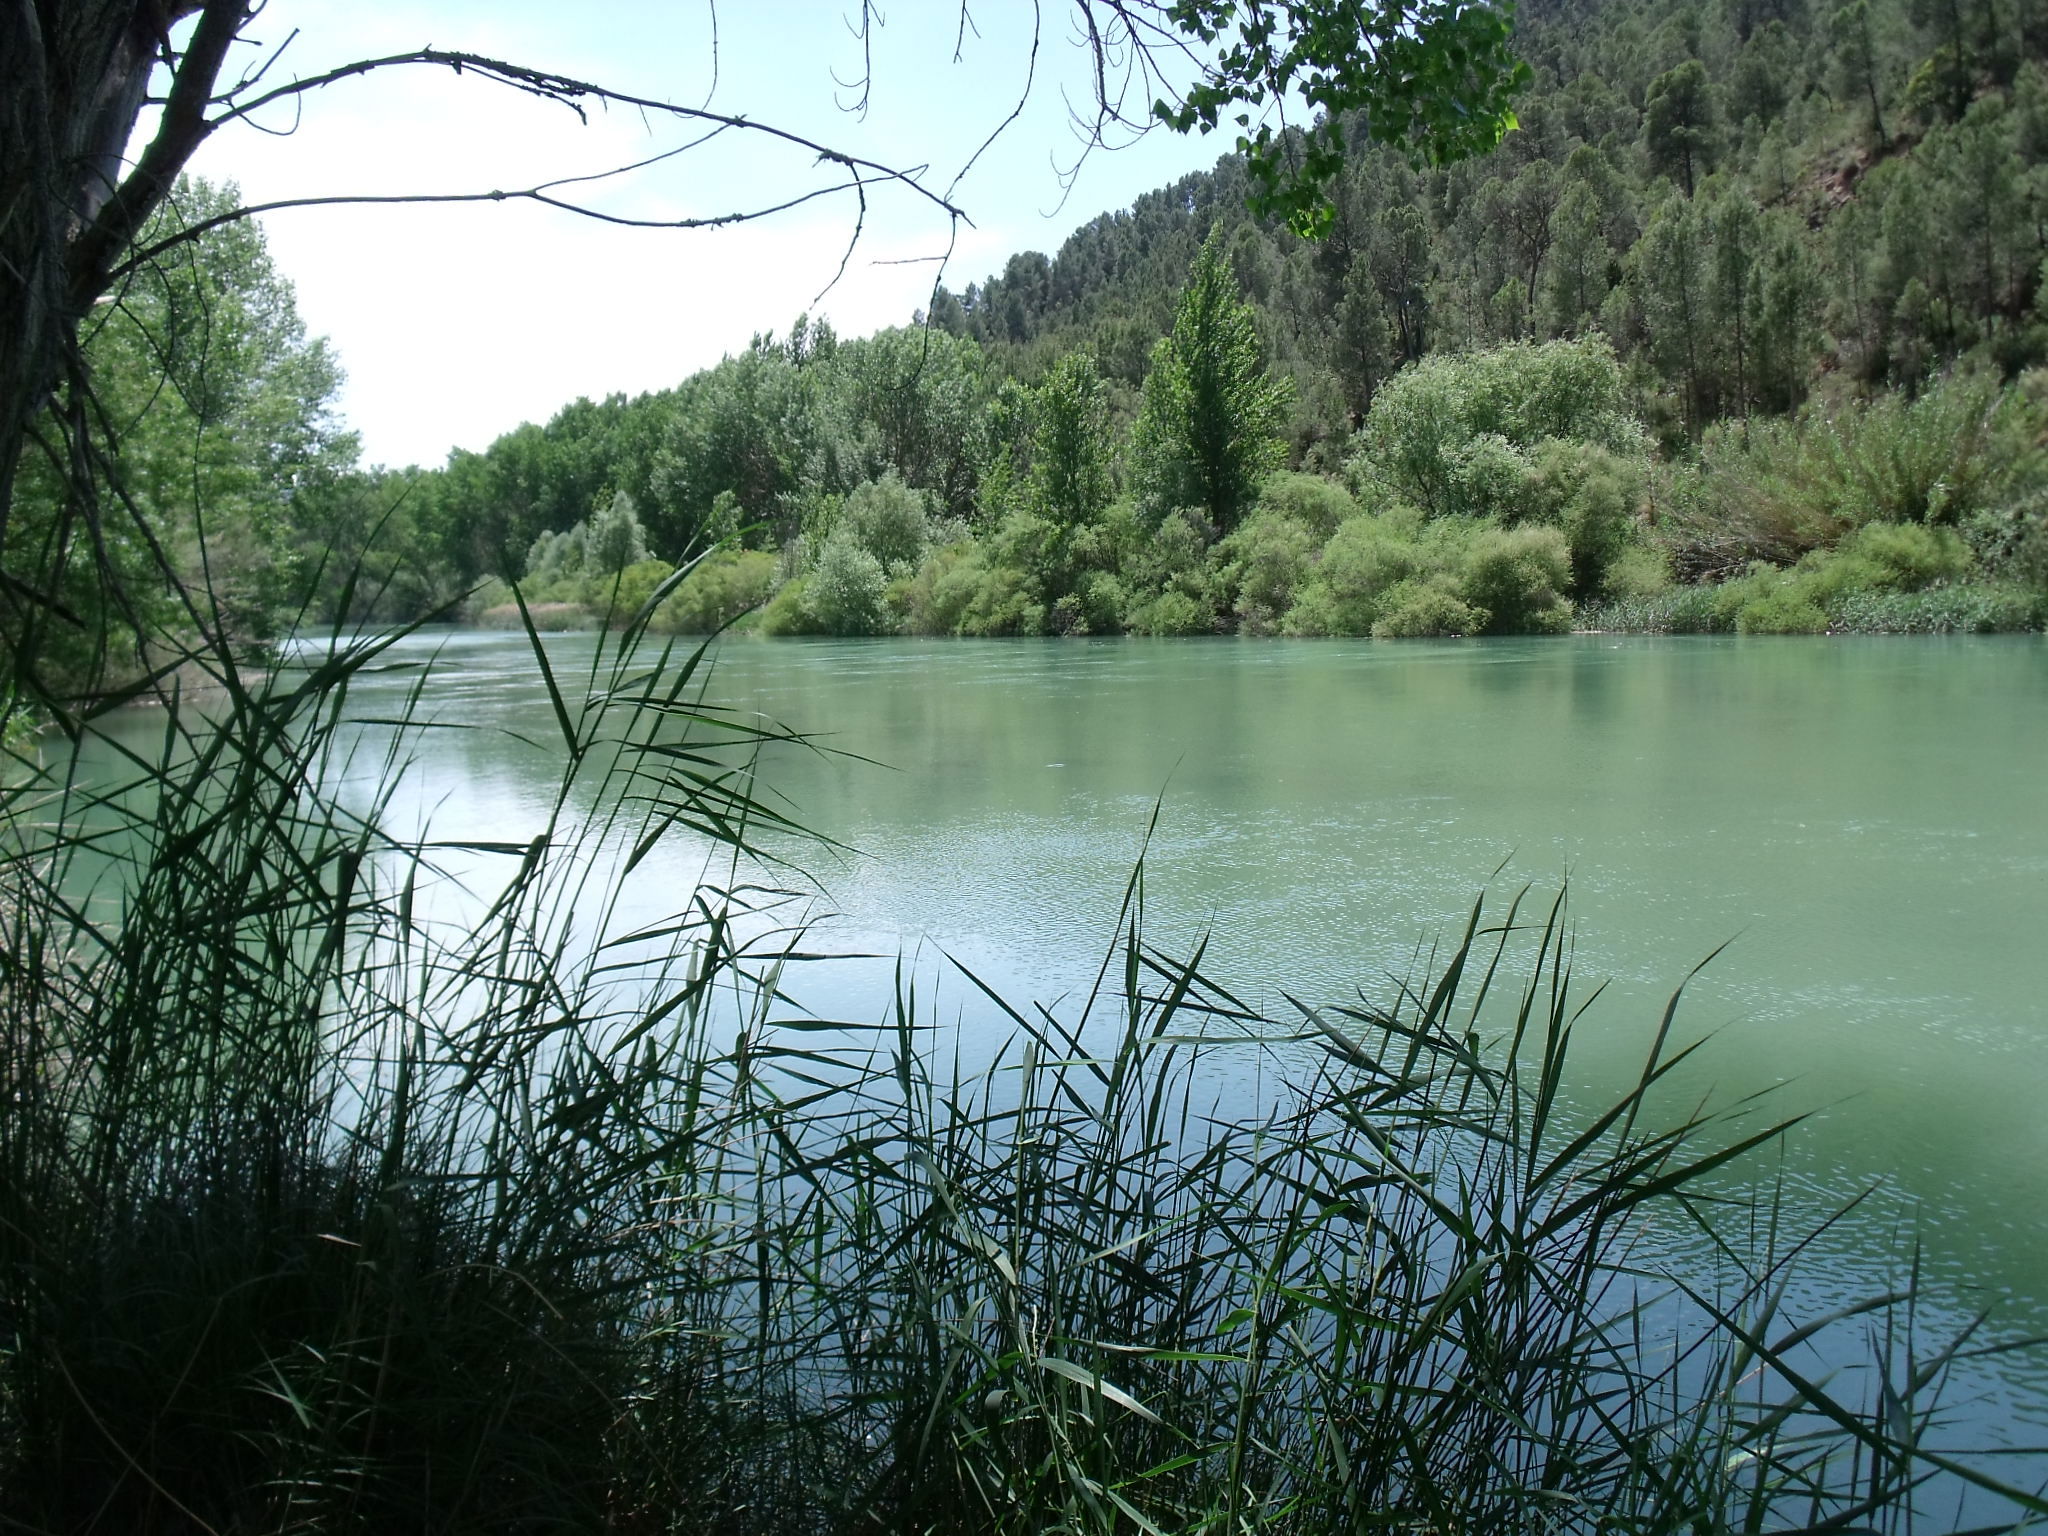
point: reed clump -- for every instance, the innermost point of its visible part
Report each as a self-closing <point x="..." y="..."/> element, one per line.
<point x="333" y="1202"/>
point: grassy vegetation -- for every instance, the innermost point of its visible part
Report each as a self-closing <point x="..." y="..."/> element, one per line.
<point x="331" y="1200"/>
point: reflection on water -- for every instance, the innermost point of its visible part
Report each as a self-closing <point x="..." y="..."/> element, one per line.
<point x="1866" y="820"/>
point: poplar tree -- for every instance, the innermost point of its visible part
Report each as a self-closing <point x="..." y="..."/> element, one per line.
<point x="1070" y="443"/>
<point x="1208" y="432"/>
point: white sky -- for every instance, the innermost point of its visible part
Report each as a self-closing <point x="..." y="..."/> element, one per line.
<point x="457" y="323"/>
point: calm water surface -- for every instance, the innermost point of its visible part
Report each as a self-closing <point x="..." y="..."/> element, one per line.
<point x="1865" y="820"/>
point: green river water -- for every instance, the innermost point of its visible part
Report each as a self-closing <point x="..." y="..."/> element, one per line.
<point x="1865" y="820"/>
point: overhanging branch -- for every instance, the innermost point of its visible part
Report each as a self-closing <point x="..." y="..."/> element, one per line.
<point x="573" y="94"/>
<point x="185" y="128"/>
<point x="523" y="194"/>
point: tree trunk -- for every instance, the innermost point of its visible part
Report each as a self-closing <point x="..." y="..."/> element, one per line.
<point x="73" y="74"/>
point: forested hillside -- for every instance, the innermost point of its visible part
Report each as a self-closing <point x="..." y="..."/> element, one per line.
<point x="1774" y="267"/>
<point x="1751" y="200"/>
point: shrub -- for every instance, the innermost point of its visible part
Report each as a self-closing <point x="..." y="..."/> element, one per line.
<point x="889" y="520"/>
<point x="620" y="596"/>
<point x="846" y="593"/>
<point x="1104" y="602"/>
<point x="1264" y="562"/>
<point x="1365" y="558"/>
<point x="935" y="599"/>
<point x="1517" y="577"/>
<point x="789" y="611"/>
<point x="583" y="565"/>
<point x="1590" y="494"/>
<point x="1173" y="557"/>
<point x="2011" y="542"/>
<point x="1173" y="612"/>
<point x="1414" y="609"/>
<point x="1785" y="609"/>
<point x="1177" y="549"/>
<point x="1031" y="545"/>
<point x="723" y="586"/>
<point x="937" y="594"/>
<point x="1001" y="601"/>
<point x="962" y="589"/>
<point x="1638" y="571"/>
<point x="1424" y="420"/>
<point x="1488" y="476"/>
<point x="1906" y="557"/>
<point x="1778" y="489"/>
<point x="1316" y="503"/>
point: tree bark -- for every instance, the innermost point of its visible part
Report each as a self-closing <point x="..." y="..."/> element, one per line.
<point x="73" y="76"/>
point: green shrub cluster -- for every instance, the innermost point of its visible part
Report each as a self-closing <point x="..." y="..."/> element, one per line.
<point x="1393" y="577"/>
<point x="598" y="574"/>
<point x="720" y="589"/>
<point x="1457" y="433"/>
<point x="1882" y="578"/>
<point x="1500" y="492"/>
<point x="1489" y="493"/>
<point x="1964" y="453"/>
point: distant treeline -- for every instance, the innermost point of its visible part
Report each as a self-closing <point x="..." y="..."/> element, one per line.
<point x="1773" y="210"/>
<point x="1804" y="242"/>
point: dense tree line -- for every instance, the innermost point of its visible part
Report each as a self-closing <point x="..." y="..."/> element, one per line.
<point x="1770" y="227"/>
<point x="1764" y="207"/>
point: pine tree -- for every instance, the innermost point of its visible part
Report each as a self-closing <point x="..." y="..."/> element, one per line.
<point x="1577" y="283"/>
<point x="1681" y="122"/>
<point x="1364" y="351"/>
<point x="1671" y="269"/>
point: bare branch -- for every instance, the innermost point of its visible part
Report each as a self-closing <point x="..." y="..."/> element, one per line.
<point x="859" y="224"/>
<point x="573" y="93"/>
<point x="864" y="32"/>
<point x="249" y="82"/>
<point x="538" y="194"/>
<point x="1023" y="96"/>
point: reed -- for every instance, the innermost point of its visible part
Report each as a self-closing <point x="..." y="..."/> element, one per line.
<point x="330" y="1201"/>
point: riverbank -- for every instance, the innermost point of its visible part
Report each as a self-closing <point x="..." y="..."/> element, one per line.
<point x="1748" y="606"/>
<point x="1777" y="603"/>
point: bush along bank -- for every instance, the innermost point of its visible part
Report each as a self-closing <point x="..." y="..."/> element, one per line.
<point x="1510" y="491"/>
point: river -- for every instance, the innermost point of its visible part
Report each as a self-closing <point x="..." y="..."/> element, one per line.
<point x="1862" y="822"/>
